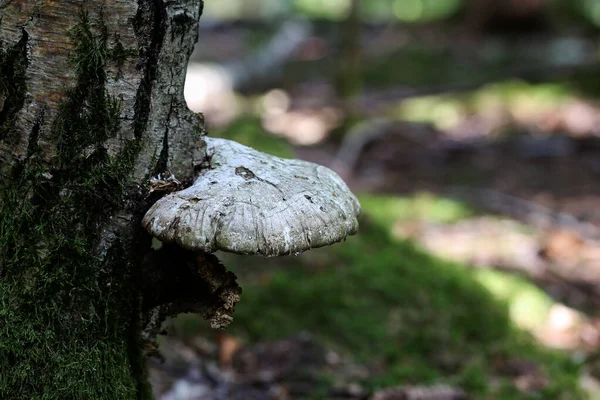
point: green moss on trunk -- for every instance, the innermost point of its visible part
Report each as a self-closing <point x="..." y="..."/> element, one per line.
<point x="68" y="300"/>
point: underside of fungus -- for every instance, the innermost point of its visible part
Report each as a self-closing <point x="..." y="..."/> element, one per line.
<point x="249" y="202"/>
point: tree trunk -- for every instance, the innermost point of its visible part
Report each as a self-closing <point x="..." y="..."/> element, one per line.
<point x="91" y="107"/>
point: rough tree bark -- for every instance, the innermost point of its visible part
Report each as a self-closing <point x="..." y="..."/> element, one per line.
<point x="91" y="107"/>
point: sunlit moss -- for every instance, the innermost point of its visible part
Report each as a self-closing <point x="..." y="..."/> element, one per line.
<point x="330" y="9"/>
<point x="512" y="97"/>
<point x="529" y="306"/>
<point x="387" y="210"/>
<point x="424" y="10"/>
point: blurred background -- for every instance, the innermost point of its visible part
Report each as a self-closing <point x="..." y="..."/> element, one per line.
<point x="470" y="131"/>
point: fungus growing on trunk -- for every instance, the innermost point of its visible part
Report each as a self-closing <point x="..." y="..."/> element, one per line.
<point x="244" y="202"/>
<point x="250" y="202"/>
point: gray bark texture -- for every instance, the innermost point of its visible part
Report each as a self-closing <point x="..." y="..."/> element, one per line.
<point x="91" y="112"/>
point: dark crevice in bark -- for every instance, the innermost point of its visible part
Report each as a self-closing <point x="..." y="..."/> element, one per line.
<point x="33" y="147"/>
<point x="163" y="159"/>
<point x="13" y="87"/>
<point x="151" y="40"/>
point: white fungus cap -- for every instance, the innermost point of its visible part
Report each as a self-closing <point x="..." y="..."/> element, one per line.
<point x="250" y="202"/>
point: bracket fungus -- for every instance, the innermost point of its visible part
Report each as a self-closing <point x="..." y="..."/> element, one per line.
<point x="249" y="202"/>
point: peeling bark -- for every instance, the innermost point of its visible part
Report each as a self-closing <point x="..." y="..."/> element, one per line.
<point x="91" y="106"/>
